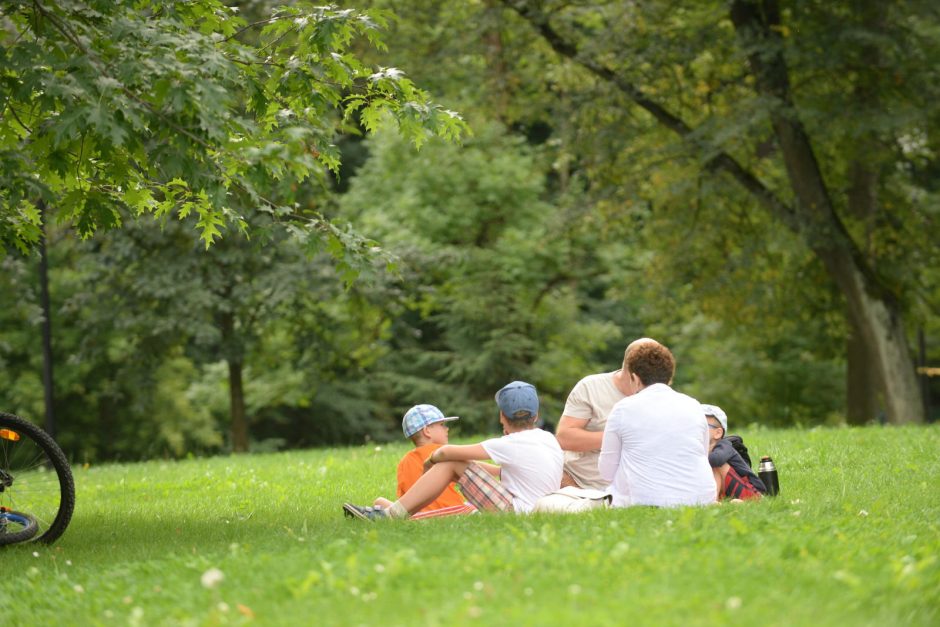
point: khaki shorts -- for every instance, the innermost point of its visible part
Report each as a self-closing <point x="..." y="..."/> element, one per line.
<point x="484" y="490"/>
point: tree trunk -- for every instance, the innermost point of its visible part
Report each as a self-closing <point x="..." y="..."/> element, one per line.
<point x="47" y="378"/>
<point x="498" y="90"/>
<point x="233" y="357"/>
<point x="862" y="383"/>
<point x="873" y="310"/>
<point x="237" y="395"/>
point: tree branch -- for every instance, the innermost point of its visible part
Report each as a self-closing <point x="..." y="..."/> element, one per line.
<point x="758" y="25"/>
<point x="721" y="161"/>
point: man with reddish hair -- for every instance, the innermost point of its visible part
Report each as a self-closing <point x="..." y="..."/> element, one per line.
<point x="655" y="445"/>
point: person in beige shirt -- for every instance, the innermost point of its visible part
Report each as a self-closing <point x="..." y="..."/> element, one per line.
<point x="581" y="427"/>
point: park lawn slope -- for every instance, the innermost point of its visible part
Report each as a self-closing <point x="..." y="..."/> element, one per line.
<point x="853" y="539"/>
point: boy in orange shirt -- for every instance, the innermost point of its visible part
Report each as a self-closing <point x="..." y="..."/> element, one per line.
<point x="427" y="427"/>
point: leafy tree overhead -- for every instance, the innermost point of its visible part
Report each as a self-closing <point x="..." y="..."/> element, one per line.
<point x="813" y="110"/>
<point x="179" y="108"/>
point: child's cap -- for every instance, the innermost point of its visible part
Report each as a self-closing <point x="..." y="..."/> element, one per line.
<point x="421" y="416"/>
<point x="715" y="412"/>
<point x="518" y="401"/>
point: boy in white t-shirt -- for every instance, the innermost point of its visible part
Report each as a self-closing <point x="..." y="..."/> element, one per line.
<point x="529" y="465"/>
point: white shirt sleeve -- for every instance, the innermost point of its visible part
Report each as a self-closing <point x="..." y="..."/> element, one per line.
<point x="609" y="458"/>
<point x="495" y="448"/>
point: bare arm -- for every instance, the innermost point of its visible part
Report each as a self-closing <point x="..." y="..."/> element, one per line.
<point x="572" y="435"/>
<point x="457" y="453"/>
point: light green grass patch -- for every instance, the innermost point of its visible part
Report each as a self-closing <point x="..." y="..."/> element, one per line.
<point x="852" y="540"/>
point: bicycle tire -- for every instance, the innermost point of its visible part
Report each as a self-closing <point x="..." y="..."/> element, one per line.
<point x="29" y="527"/>
<point x="33" y="457"/>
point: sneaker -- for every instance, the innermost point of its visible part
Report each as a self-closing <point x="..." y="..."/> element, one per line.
<point x="365" y="513"/>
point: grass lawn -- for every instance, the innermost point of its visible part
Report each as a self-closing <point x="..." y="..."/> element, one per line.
<point x="853" y="539"/>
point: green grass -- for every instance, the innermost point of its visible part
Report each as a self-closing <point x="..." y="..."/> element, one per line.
<point x="853" y="539"/>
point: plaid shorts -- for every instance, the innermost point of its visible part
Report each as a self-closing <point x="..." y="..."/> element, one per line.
<point x="737" y="487"/>
<point x="484" y="490"/>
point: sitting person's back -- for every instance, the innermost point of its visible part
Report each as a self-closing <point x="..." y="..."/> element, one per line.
<point x="655" y="446"/>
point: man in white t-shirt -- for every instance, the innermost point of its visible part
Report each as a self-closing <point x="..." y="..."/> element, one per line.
<point x="581" y="427"/>
<point x="655" y="444"/>
<point x="529" y="465"/>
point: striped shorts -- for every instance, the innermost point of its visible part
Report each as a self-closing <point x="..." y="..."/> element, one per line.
<point x="484" y="490"/>
<point x="453" y="510"/>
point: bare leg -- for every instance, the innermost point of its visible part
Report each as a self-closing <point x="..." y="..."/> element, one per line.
<point x="430" y="485"/>
<point x="720" y="473"/>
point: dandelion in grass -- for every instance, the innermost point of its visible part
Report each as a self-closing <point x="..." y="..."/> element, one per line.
<point x="733" y="603"/>
<point x="212" y="578"/>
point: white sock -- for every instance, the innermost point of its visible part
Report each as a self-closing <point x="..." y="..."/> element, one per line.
<point x="397" y="510"/>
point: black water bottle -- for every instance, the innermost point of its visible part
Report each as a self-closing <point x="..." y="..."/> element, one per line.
<point x="768" y="474"/>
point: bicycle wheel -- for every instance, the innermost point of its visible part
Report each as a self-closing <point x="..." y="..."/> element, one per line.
<point x="16" y="526"/>
<point x="35" y="478"/>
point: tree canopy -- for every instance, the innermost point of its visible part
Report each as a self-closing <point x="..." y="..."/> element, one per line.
<point x="752" y="182"/>
<point x="112" y="110"/>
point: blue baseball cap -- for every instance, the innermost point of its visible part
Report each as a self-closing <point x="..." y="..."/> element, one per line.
<point x="518" y="401"/>
<point x="421" y="416"/>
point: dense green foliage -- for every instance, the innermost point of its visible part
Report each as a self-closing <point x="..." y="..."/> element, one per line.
<point x="842" y="545"/>
<point x="569" y="221"/>
<point x="179" y="108"/>
<point x="758" y="199"/>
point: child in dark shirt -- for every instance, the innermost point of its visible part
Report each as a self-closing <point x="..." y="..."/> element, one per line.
<point x="733" y="476"/>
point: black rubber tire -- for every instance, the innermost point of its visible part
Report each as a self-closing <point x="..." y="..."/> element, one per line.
<point x="24" y="534"/>
<point x="56" y="459"/>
